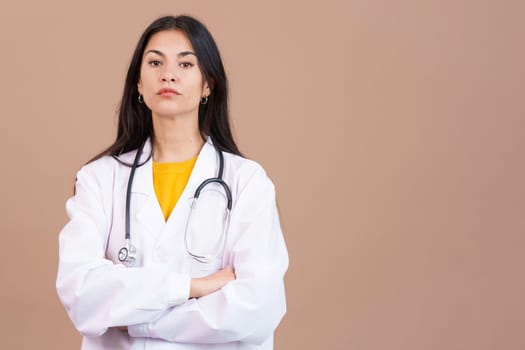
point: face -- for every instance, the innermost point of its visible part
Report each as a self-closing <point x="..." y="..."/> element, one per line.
<point x="171" y="82"/>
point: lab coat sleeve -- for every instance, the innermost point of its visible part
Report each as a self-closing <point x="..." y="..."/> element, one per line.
<point x="97" y="293"/>
<point x="249" y="308"/>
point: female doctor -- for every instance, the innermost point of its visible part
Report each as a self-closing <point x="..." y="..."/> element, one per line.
<point x="174" y="239"/>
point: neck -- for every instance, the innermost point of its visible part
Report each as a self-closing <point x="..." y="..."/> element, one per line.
<point x="175" y="139"/>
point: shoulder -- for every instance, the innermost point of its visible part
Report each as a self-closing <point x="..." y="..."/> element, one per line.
<point x="98" y="172"/>
<point x="246" y="172"/>
<point x="99" y="166"/>
<point x="243" y="166"/>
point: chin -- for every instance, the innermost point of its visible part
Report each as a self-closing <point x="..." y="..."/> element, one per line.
<point x="174" y="113"/>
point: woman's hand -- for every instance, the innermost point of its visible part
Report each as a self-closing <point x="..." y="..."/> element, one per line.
<point x="206" y="285"/>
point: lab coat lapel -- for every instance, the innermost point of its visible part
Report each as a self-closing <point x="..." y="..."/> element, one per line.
<point x="205" y="167"/>
<point x="149" y="213"/>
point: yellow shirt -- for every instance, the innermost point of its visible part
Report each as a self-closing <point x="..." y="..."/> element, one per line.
<point x="169" y="180"/>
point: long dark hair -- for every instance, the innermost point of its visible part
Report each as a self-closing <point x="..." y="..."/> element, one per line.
<point x="134" y="118"/>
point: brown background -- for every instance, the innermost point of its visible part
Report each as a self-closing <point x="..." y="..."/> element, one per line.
<point x="393" y="131"/>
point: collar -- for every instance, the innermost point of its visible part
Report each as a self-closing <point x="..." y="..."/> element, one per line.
<point x="206" y="166"/>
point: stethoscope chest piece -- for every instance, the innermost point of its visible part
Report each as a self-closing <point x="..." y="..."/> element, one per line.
<point x="128" y="253"/>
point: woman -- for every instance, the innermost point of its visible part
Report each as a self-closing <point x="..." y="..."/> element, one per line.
<point x="174" y="239"/>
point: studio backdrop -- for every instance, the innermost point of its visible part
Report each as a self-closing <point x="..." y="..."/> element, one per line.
<point x="393" y="131"/>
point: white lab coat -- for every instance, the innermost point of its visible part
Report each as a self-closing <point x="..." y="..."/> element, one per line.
<point x="152" y="298"/>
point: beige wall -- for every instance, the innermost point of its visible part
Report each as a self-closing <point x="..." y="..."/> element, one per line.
<point x="393" y="131"/>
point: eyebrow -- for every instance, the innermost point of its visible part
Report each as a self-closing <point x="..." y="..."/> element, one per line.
<point x="180" y="54"/>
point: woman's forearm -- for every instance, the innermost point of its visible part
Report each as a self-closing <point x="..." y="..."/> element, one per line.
<point x="203" y="286"/>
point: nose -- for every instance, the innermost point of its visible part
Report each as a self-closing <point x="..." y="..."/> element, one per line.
<point x="168" y="76"/>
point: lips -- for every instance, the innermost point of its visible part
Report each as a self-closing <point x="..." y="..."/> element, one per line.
<point x="168" y="92"/>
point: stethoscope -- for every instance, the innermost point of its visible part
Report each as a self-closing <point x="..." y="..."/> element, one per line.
<point x="128" y="253"/>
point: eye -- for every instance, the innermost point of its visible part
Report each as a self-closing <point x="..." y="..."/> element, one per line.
<point x="154" y="63"/>
<point x="186" y="64"/>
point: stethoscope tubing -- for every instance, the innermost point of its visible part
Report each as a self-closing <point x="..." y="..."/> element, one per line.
<point x="128" y="190"/>
<point x="127" y="253"/>
<point x="218" y="180"/>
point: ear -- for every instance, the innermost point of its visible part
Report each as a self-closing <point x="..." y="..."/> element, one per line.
<point x="206" y="91"/>
<point x="139" y="86"/>
<point x="207" y="87"/>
